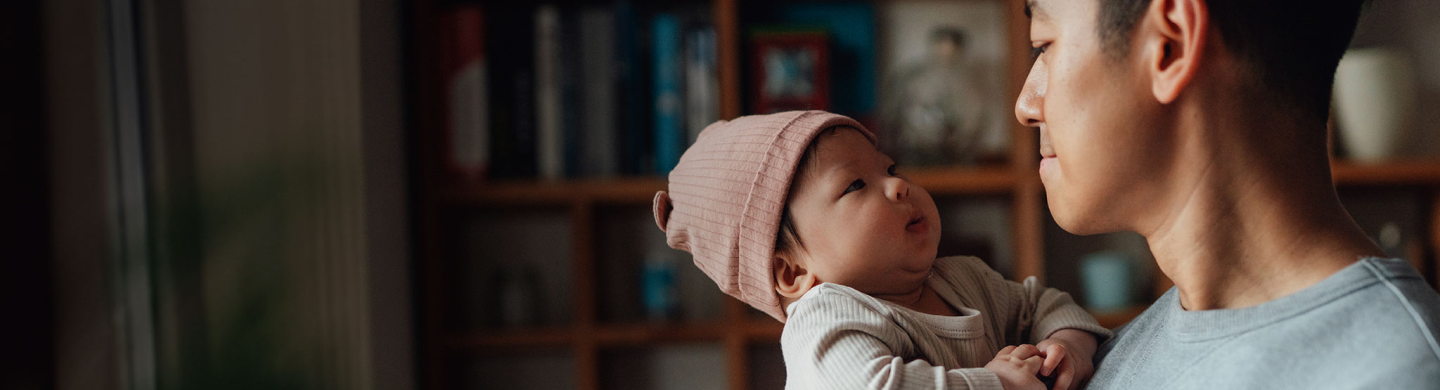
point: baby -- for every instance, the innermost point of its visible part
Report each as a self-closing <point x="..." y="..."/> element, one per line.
<point x="800" y="215"/>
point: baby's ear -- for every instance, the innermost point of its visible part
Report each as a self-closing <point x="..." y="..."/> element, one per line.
<point x="662" y="208"/>
<point x="792" y="278"/>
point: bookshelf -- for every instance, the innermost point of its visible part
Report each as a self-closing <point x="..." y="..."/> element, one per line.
<point x="585" y="339"/>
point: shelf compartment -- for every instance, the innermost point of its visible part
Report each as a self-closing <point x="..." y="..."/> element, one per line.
<point x="767" y="366"/>
<point x="508" y="269"/>
<point x="626" y="237"/>
<point x="519" y="369"/>
<point x="673" y="366"/>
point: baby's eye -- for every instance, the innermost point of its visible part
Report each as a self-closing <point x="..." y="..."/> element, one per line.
<point x="891" y="170"/>
<point x="855" y="186"/>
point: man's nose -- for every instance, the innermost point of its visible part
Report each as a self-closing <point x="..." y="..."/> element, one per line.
<point x="1029" y="107"/>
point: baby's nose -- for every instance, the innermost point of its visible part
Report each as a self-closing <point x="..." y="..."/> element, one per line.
<point x="897" y="189"/>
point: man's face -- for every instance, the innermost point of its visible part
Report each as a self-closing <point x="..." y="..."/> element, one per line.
<point x="1102" y="149"/>
<point x="860" y="223"/>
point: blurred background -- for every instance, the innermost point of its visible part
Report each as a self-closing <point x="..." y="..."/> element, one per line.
<point x="455" y="194"/>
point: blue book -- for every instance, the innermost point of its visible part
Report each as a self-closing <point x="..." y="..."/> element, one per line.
<point x="668" y="102"/>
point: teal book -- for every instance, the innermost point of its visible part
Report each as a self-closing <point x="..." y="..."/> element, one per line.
<point x="667" y="76"/>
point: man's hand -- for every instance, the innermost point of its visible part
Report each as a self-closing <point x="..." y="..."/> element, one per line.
<point x="1016" y="366"/>
<point x="1069" y="353"/>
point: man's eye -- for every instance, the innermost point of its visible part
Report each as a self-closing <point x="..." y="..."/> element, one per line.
<point x="1035" y="52"/>
<point x="891" y="170"/>
<point x="855" y="186"/>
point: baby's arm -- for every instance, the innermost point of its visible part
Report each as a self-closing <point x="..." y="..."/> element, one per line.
<point x="833" y="342"/>
<point x="1067" y="335"/>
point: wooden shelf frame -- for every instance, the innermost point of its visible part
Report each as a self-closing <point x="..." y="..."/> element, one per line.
<point x="737" y="330"/>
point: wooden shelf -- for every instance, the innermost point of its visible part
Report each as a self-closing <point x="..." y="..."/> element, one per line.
<point x="648" y="333"/>
<point x="534" y="192"/>
<point x="1398" y="173"/>
<point x="505" y="338"/>
<point x="640" y="333"/>
<point x="991" y="180"/>
<point x="641" y="190"/>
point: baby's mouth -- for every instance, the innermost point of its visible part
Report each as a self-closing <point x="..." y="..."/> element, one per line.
<point x="915" y="220"/>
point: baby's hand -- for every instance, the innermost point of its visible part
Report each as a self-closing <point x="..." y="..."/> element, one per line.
<point x="1067" y="358"/>
<point x="1017" y="366"/>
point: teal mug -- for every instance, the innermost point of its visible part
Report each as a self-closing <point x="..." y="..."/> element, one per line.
<point x="1109" y="280"/>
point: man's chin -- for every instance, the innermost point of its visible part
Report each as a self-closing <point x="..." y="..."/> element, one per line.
<point x="1076" y="220"/>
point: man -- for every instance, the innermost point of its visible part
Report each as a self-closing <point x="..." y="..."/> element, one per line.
<point x="1200" y="124"/>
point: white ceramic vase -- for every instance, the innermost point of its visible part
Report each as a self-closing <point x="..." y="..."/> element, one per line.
<point x="1375" y="101"/>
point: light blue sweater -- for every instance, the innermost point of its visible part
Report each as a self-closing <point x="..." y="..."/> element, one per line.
<point x="1373" y="325"/>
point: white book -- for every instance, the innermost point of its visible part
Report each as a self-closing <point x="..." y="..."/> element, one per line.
<point x="549" y="137"/>
<point x="600" y="111"/>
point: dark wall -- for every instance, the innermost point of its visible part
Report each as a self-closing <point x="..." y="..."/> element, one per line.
<point x="26" y="319"/>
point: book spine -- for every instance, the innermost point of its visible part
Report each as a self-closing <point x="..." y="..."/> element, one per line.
<point x="510" y="64"/>
<point x="572" y="96"/>
<point x="597" y="34"/>
<point x="702" y="84"/>
<point x="467" y="141"/>
<point x="669" y="126"/>
<point x="635" y="150"/>
<point x="549" y="143"/>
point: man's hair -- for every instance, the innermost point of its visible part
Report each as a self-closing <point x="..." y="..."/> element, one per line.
<point x="1292" y="46"/>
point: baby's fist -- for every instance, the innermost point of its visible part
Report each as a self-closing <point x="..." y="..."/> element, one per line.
<point x="1017" y="366"/>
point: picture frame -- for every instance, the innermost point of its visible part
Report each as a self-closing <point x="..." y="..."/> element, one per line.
<point x="790" y="70"/>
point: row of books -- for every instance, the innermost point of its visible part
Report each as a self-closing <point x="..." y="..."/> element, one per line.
<point x="574" y="91"/>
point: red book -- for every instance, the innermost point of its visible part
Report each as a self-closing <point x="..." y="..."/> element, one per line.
<point x="467" y="116"/>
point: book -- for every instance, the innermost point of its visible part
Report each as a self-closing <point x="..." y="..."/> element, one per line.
<point x="550" y="152"/>
<point x="572" y="95"/>
<point x="636" y="152"/>
<point x="467" y="121"/>
<point x="512" y="97"/>
<point x="598" y="48"/>
<point x="666" y="74"/>
<point x="702" y="83"/>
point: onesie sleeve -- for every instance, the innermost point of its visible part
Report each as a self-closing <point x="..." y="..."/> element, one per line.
<point x="1055" y="310"/>
<point x="832" y="341"/>
<point x="1030" y="312"/>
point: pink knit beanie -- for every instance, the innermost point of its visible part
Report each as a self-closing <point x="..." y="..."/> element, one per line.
<point x="727" y="195"/>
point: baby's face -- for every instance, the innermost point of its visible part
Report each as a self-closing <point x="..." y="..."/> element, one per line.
<point x="861" y="224"/>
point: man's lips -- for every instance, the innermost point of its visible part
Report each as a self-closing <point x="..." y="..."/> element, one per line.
<point x="1046" y="151"/>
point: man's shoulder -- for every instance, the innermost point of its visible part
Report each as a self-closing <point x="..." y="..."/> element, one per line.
<point x="1398" y="306"/>
<point x="1381" y="310"/>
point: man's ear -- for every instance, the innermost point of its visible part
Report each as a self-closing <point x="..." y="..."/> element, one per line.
<point x="1173" y="44"/>
<point x="792" y="278"/>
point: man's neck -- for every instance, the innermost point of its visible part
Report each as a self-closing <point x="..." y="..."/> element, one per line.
<point x="1251" y="226"/>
